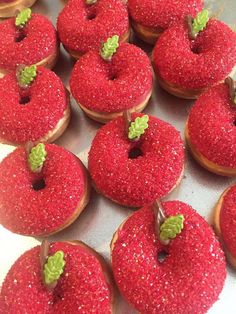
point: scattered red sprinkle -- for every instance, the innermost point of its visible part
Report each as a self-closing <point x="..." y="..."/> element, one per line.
<point x="113" y="86"/>
<point x="139" y="181"/>
<point x="82" y="288"/>
<point x="160" y="13"/>
<point x="228" y="220"/>
<point x="80" y="33"/>
<point x="199" y="63"/>
<point x="212" y="127"/>
<point x="39" y="43"/>
<point x="24" y="210"/>
<point x="20" y="123"/>
<point x="190" y="278"/>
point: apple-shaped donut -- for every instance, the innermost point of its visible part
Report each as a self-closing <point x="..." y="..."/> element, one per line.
<point x="9" y="7"/>
<point x="224" y="221"/>
<point x="185" y="276"/>
<point x="211" y="132"/>
<point x="84" y="24"/>
<point x="131" y="170"/>
<point x="42" y="191"/>
<point x="108" y="82"/>
<point x="27" y="39"/>
<point x="185" y="67"/>
<point x="84" y="284"/>
<point x="150" y="18"/>
<point x="38" y="111"/>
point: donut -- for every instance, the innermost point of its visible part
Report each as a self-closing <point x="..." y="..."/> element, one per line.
<point x="90" y="24"/>
<point x="186" y="67"/>
<point x="8" y="8"/>
<point x="34" y="43"/>
<point x="211" y="133"/>
<point x="134" y="173"/>
<point x="85" y="285"/>
<point x="224" y="222"/>
<point x="149" y="19"/>
<point x="185" y="276"/>
<point x="41" y="203"/>
<point x="38" y="113"/>
<point x="104" y="89"/>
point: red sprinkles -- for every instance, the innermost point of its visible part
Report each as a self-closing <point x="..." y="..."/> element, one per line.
<point x="211" y="126"/>
<point x="113" y="86"/>
<point x="84" y="27"/>
<point x="37" y="41"/>
<point x="190" y="278"/>
<point x="228" y="220"/>
<point x="25" y="210"/>
<point x="196" y="63"/>
<point x="20" y="123"/>
<point x="82" y="288"/>
<point x="160" y="13"/>
<point x="139" y="181"/>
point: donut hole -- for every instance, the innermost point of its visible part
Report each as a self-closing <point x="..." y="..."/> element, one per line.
<point x="112" y="77"/>
<point x="91" y="16"/>
<point x="196" y="49"/>
<point x="234" y="123"/>
<point x="24" y="100"/>
<point x="161" y="256"/>
<point x="135" y="152"/>
<point x="20" y="36"/>
<point x="39" y="184"/>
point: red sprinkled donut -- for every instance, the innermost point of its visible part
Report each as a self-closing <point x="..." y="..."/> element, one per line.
<point x="136" y="173"/>
<point x="188" y="280"/>
<point x="39" y="112"/>
<point x="211" y="131"/>
<point x="195" y="64"/>
<point x="36" y="43"/>
<point x="160" y="13"/>
<point x="83" y="27"/>
<point x="112" y="86"/>
<point x="42" y="203"/>
<point x="225" y="222"/>
<point x="82" y="288"/>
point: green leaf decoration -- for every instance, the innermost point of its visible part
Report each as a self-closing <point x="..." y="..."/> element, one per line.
<point x="27" y="75"/>
<point x="171" y="227"/>
<point x="138" y="127"/>
<point x="200" y="22"/>
<point x="54" y="267"/>
<point x="23" y="17"/>
<point x="37" y="157"/>
<point x="110" y="47"/>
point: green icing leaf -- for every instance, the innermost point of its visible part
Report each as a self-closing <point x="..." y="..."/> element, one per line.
<point x="37" y="157"/>
<point x="27" y="75"/>
<point x="23" y="17"/>
<point x="138" y="127"/>
<point x="171" y="227"/>
<point x="200" y="22"/>
<point x="110" y="47"/>
<point x="54" y="267"/>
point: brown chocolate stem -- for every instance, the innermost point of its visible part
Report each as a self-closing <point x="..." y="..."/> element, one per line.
<point x="189" y="21"/>
<point x="128" y="120"/>
<point x="19" y="68"/>
<point x="160" y="217"/>
<point x="43" y="256"/>
<point x="232" y="88"/>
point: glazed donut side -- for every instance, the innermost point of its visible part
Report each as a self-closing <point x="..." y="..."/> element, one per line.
<point x="9" y="9"/>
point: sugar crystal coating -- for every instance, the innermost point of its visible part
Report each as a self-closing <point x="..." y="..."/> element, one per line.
<point x="20" y="123"/>
<point x="84" y="27"/>
<point x="228" y="220"/>
<point x="138" y="181"/>
<point x="162" y="13"/>
<point x="39" y="41"/>
<point x="199" y="63"/>
<point x="82" y="288"/>
<point x="190" y="278"/>
<point x="113" y="86"/>
<point x="211" y="126"/>
<point x="25" y="210"/>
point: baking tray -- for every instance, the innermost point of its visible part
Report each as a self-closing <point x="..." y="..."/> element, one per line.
<point x="102" y="217"/>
